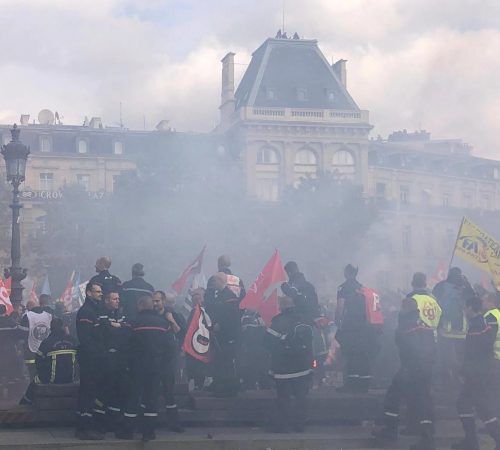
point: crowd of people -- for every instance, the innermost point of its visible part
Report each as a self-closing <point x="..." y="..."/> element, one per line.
<point x="125" y="343"/>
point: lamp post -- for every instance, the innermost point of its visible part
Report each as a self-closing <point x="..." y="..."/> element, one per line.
<point x="15" y="154"/>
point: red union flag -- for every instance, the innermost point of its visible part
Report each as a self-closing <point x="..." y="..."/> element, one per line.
<point x="262" y="295"/>
<point x="4" y="297"/>
<point x="189" y="271"/>
<point x="197" y="340"/>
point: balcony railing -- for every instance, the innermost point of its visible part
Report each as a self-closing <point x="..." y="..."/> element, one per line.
<point x="302" y="115"/>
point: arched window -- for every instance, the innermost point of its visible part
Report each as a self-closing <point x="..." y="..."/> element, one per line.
<point x="267" y="155"/>
<point x="82" y="146"/>
<point x="267" y="173"/>
<point x="306" y="165"/>
<point x="343" y="164"/>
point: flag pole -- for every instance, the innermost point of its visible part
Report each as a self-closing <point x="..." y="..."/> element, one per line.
<point x="455" y="244"/>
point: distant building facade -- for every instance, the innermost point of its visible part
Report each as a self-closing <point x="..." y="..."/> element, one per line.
<point x="291" y="117"/>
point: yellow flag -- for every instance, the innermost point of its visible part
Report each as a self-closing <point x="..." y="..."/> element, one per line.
<point x="480" y="249"/>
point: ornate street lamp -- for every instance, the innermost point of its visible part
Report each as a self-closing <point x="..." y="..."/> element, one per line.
<point x="15" y="154"/>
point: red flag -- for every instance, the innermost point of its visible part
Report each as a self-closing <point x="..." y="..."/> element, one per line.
<point x="8" y="284"/>
<point x="4" y="297"/>
<point x="269" y="308"/>
<point x="67" y="295"/>
<point x="33" y="295"/>
<point x="197" y="340"/>
<point x="192" y="269"/>
<point x="263" y="289"/>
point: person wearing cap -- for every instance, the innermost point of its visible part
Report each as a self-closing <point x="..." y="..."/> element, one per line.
<point x="133" y="289"/>
<point x="109" y="283"/>
<point x="412" y="382"/>
<point x="353" y="333"/>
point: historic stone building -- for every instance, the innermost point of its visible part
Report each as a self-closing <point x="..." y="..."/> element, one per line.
<point x="292" y="116"/>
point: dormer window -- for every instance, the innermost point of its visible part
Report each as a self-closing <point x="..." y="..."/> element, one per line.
<point x="330" y="95"/>
<point x="302" y="94"/>
<point x="45" y="144"/>
<point x="82" y="146"/>
<point x="117" y="148"/>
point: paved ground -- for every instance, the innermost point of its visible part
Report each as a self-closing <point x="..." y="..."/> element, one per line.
<point x="316" y="438"/>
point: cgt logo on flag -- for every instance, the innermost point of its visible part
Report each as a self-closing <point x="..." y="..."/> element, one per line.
<point x="4" y="298"/>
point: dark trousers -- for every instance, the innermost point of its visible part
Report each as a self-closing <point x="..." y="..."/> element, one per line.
<point x="226" y="381"/>
<point x="450" y="355"/>
<point x="168" y="390"/>
<point x="291" y="414"/>
<point x="415" y="390"/>
<point x="196" y="370"/>
<point x="477" y="394"/>
<point x="144" y="393"/>
<point x="90" y="376"/>
<point x="111" y="391"/>
<point x="357" y="365"/>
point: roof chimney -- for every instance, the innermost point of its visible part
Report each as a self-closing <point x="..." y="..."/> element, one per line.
<point x="340" y="70"/>
<point x="227" y="91"/>
<point x="95" y="122"/>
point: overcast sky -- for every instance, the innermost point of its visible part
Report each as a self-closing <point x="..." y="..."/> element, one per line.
<point x="412" y="63"/>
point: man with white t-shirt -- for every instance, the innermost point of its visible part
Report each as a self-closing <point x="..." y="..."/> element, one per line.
<point x="35" y="325"/>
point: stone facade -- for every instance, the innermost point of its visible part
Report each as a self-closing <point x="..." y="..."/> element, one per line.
<point x="422" y="186"/>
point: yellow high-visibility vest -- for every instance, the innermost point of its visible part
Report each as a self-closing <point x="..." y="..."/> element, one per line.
<point x="430" y="311"/>
<point x="496" y="313"/>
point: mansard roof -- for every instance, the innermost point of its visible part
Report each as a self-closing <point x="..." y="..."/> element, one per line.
<point x="292" y="73"/>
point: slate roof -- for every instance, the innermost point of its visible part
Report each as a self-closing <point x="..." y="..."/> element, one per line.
<point x="292" y="73"/>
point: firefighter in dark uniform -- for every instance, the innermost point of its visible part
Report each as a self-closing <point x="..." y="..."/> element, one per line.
<point x="164" y="305"/>
<point x="416" y="345"/>
<point x="107" y="281"/>
<point x="133" y="289"/>
<point x="478" y="386"/>
<point x="226" y="316"/>
<point x="451" y="295"/>
<point x="149" y="346"/>
<point x="91" y="357"/>
<point x="11" y="370"/>
<point x="353" y="333"/>
<point x="289" y="340"/>
<point x="115" y="332"/>
<point x="55" y="359"/>
<point x="301" y="291"/>
<point x="492" y="317"/>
